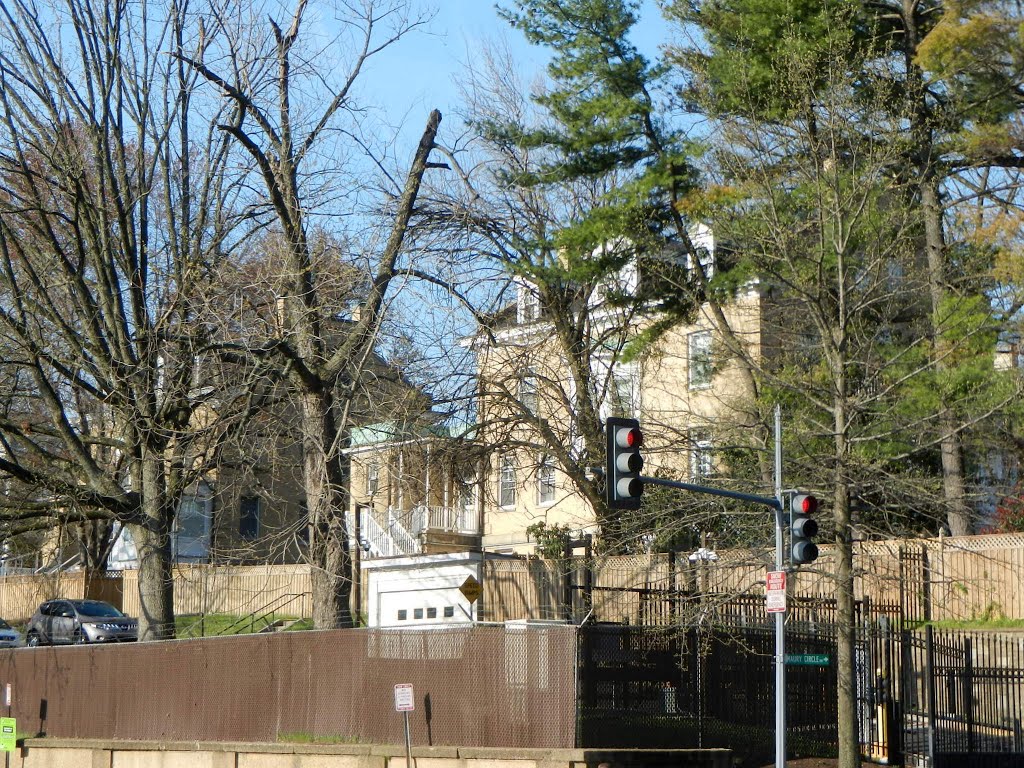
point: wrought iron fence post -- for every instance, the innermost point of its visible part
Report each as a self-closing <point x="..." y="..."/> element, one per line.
<point x="929" y="665"/>
<point x="969" y="692"/>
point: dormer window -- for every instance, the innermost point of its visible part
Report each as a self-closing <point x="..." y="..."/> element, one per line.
<point x="704" y="249"/>
<point x="527" y="304"/>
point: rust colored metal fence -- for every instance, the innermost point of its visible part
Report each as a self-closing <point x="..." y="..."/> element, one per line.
<point x="479" y="686"/>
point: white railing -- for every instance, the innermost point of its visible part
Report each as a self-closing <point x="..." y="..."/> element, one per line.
<point x="450" y="519"/>
<point x="374" y="539"/>
<point x="400" y="533"/>
<point x="407" y="543"/>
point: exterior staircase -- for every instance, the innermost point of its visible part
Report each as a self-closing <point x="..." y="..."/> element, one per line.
<point x="421" y="530"/>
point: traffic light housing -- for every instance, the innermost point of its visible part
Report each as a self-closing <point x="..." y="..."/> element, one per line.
<point x="802" y="529"/>
<point x="623" y="463"/>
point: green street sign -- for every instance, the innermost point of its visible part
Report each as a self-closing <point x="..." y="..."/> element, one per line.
<point x="808" y="659"/>
<point x="8" y="734"/>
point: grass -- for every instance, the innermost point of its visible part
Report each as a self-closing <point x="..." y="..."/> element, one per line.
<point x="216" y="623"/>
<point x="963" y="624"/>
<point x="302" y="737"/>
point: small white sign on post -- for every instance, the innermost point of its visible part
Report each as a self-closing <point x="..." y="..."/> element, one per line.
<point x="405" y="701"/>
<point x="775" y="592"/>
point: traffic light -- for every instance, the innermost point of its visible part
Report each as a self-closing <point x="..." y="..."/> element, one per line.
<point x="802" y="529"/>
<point x="623" y="464"/>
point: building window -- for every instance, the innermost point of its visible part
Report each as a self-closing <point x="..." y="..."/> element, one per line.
<point x="528" y="392"/>
<point x="417" y="613"/>
<point x="403" y="615"/>
<point x="621" y="401"/>
<point x="701" y="459"/>
<point x="699" y="349"/>
<point x="546" y="481"/>
<point x="372" y="477"/>
<point x="431" y="613"/>
<point x="507" y="482"/>
<point x="527" y="305"/>
<point x="449" y="611"/>
<point x="249" y="517"/>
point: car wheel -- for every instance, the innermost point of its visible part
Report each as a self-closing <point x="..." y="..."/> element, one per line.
<point x="32" y="640"/>
<point x="79" y="638"/>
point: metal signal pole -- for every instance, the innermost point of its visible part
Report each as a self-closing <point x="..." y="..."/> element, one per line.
<point x="780" y="618"/>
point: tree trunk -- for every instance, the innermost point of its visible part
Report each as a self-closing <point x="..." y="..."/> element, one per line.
<point x="153" y="542"/>
<point x="326" y="497"/>
<point x="849" y="740"/>
<point x="958" y="513"/>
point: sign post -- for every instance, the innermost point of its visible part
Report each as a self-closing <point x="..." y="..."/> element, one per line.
<point x="405" y="702"/>
<point x="8" y="727"/>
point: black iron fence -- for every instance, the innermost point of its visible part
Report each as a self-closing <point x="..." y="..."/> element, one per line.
<point x="923" y="697"/>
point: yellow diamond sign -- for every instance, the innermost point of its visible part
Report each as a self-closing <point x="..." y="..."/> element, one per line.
<point x="471" y="589"/>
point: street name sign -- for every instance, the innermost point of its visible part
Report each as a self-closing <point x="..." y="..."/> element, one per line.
<point x="808" y="659"/>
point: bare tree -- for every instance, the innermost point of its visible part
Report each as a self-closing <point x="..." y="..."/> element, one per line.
<point x="113" y="211"/>
<point x="323" y="360"/>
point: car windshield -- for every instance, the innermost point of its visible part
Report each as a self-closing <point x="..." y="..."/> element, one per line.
<point x="4" y="624"/>
<point x="97" y="608"/>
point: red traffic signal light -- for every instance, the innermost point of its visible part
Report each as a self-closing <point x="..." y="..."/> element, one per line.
<point x="623" y="463"/>
<point x="803" y="529"/>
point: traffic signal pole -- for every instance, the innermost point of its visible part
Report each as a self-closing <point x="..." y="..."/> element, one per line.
<point x="776" y="505"/>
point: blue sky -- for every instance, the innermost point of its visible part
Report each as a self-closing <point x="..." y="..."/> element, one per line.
<point x="419" y="72"/>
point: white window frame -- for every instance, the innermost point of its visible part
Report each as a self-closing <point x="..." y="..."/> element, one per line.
<point x="546" y="488"/>
<point x="527" y="304"/>
<point x="699" y="368"/>
<point x="507" y="482"/>
<point x="372" y="477"/>
<point x="528" y="393"/>
<point x="702" y="464"/>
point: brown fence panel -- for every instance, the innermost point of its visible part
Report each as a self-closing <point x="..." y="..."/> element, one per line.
<point x="522" y="589"/>
<point x="478" y="686"/>
<point x="238" y="590"/>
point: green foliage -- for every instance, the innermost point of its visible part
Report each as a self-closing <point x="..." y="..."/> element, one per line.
<point x="551" y="540"/>
<point x="304" y="737"/>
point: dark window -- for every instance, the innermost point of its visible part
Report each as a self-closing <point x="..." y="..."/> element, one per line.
<point x="402" y="615"/>
<point x="302" y="531"/>
<point x="417" y="613"/>
<point x="431" y="613"/>
<point x="249" y="517"/>
<point x="449" y="611"/>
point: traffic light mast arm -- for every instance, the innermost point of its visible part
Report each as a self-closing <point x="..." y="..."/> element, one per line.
<point x="768" y="501"/>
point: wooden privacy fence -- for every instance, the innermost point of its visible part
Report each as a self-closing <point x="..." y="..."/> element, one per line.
<point x="945" y="578"/>
<point x="236" y="590"/>
<point x="198" y="589"/>
<point x="21" y="595"/>
<point x="967" y="577"/>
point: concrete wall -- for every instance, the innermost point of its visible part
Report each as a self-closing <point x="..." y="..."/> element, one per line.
<point x="67" y="753"/>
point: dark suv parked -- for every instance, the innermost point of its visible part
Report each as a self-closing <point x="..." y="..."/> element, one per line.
<point x="79" y="621"/>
